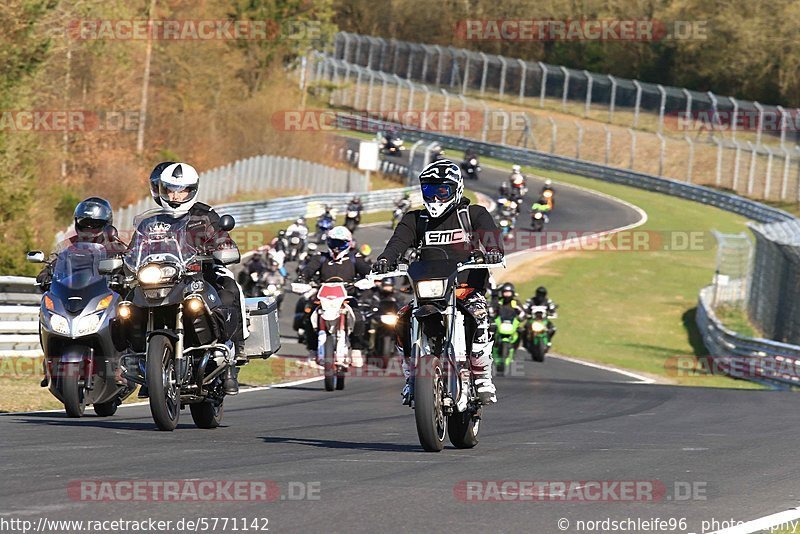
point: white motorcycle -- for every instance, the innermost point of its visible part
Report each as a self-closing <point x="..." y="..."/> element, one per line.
<point x="333" y="318"/>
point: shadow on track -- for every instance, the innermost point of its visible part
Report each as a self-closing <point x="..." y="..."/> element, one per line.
<point x="90" y="421"/>
<point x="353" y="445"/>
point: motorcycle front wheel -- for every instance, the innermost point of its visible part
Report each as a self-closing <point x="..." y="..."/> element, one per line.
<point x="428" y="410"/>
<point x="71" y="389"/>
<point x="207" y="414"/>
<point x="162" y="383"/>
<point x="330" y="368"/>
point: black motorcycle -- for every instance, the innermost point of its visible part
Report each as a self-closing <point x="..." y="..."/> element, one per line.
<point x="380" y="313"/>
<point x="169" y="319"/>
<point x="80" y="359"/>
<point x="352" y="217"/>
<point x="470" y="167"/>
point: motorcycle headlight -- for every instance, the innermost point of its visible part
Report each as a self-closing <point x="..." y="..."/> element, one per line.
<point x="537" y="327"/>
<point x="152" y="274"/>
<point x="389" y="319"/>
<point x="473" y="162"/>
<point x="89" y="324"/>
<point x="506" y="329"/>
<point x="537" y="215"/>
<point x="431" y="289"/>
<point x="59" y="324"/>
<point x="254" y="277"/>
<point x="504" y="223"/>
<point x="272" y="288"/>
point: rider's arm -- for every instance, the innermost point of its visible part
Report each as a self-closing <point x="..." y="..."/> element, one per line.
<point x="362" y="267"/>
<point x="311" y="267"/>
<point x="485" y="228"/>
<point x="404" y="236"/>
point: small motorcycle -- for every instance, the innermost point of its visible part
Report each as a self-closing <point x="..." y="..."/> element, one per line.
<point x="296" y="245"/>
<point x="506" y="225"/>
<point x="538" y="220"/>
<point x="537" y="338"/>
<point x="506" y="326"/>
<point x="81" y="362"/>
<point x="400" y="209"/>
<point x="470" y="168"/>
<point x="333" y="318"/>
<point x="381" y="316"/>
<point x="352" y="219"/>
<point x="324" y="225"/>
<point x="391" y="146"/>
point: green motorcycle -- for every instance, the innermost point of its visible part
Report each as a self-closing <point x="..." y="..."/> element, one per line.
<point x="537" y="335"/>
<point x="506" y="339"/>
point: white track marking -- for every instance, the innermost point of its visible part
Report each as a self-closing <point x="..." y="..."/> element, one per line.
<point x="639" y="378"/>
<point x="763" y="523"/>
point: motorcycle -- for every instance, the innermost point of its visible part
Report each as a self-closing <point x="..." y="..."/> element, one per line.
<point x="548" y="196"/>
<point x="352" y="219"/>
<point x="507" y="334"/>
<point x="381" y="316"/>
<point x="506" y="225"/>
<point x="518" y="187"/>
<point x="400" y="209"/>
<point x="333" y="318"/>
<point x="391" y="146"/>
<point x="445" y="399"/>
<point x="324" y="225"/>
<point x="470" y="168"/>
<point x="537" y="338"/>
<point x="178" y="349"/>
<point x="75" y="318"/>
<point x="296" y="244"/>
<point x="538" y="220"/>
<point x="266" y="284"/>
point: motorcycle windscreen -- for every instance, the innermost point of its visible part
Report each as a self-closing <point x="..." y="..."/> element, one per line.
<point x="160" y="237"/>
<point x="433" y="263"/>
<point x="76" y="279"/>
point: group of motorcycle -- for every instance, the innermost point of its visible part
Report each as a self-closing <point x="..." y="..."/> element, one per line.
<point x="510" y="198"/>
<point x="146" y="317"/>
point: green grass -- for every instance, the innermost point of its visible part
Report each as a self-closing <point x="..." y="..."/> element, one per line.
<point x="736" y="320"/>
<point x="636" y="309"/>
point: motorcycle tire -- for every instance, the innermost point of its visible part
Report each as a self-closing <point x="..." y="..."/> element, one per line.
<point x="106" y="409"/>
<point x="428" y="410"/>
<point x="330" y="368"/>
<point x="463" y="429"/>
<point x="71" y="389"/>
<point x="207" y="414"/>
<point x="165" y="403"/>
<point x="537" y="352"/>
<point x="340" y="380"/>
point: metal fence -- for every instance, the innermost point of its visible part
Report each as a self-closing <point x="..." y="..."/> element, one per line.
<point x="732" y="274"/>
<point x="758" y="360"/>
<point x="257" y="174"/>
<point x="747" y="167"/>
<point x="601" y="96"/>
<point x="19" y="316"/>
<point x="774" y="304"/>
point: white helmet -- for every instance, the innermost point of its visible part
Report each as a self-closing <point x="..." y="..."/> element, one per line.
<point x="177" y="188"/>
<point x="548" y="182"/>
<point x="339" y="242"/>
<point x="300" y="222"/>
<point x="442" y="186"/>
<point x="516" y="169"/>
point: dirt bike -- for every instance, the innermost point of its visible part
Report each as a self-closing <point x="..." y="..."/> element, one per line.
<point x="445" y="399"/>
<point x="538" y="219"/>
<point x="333" y="319"/>
<point x="506" y="336"/>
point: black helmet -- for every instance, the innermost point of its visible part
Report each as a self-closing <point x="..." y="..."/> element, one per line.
<point x="93" y="214"/>
<point x="154" y="178"/>
<point x="541" y="292"/>
<point x="508" y="287"/>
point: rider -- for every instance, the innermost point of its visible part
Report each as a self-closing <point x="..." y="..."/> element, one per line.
<point x="542" y="206"/>
<point x="506" y="298"/>
<point x="445" y="210"/>
<point x="540" y="298"/>
<point x="93" y="224"/>
<point x="298" y="228"/>
<point x="355" y="205"/>
<point x="548" y="187"/>
<point x="256" y="264"/>
<point x="176" y="192"/>
<point x="405" y="202"/>
<point x="517" y="181"/>
<point x="505" y="189"/>
<point x="340" y="261"/>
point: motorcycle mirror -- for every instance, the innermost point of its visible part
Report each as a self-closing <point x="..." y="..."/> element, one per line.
<point x="227" y="223"/>
<point x="109" y="266"/>
<point x="35" y="256"/>
<point x="227" y="256"/>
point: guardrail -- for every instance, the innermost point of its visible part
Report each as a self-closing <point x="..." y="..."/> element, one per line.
<point x="19" y="316"/>
<point x="758" y="360"/>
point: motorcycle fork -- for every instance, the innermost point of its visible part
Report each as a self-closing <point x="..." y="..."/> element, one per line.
<point x="180" y="359"/>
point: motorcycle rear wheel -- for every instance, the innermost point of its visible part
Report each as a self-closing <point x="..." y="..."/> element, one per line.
<point x="207" y="414"/>
<point x="428" y="410"/>
<point x="330" y="368"/>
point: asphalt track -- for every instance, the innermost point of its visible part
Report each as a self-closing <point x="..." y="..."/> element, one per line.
<point x="357" y="451"/>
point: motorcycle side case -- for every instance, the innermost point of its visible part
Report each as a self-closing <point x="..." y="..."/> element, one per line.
<point x="265" y="338"/>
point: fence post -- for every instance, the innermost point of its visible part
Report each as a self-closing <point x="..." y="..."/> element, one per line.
<point x="736" y="166"/>
<point x="485" y="71"/>
<point x="565" y="89"/>
<point x="782" y="111"/>
<point x="464" y="109"/>
<point x="589" y="82"/>
<point x="553" y="135"/>
<point x="768" y="181"/>
<point x="544" y="83"/>
<point x="579" y="141"/>
<point x="690" y="163"/>
<point x="369" y="94"/>
<point x="638" y="103"/>
<point x="719" y="160"/>
<point x="760" y="109"/>
<point x="398" y="89"/>
<point x="504" y="131"/>
<point x="785" y="178"/>
<point x="357" y="90"/>
<point x="752" y="170"/>
<point x="485" y="129"/>
<point x="608" y="144"/>
<point x="423" y="77"/>
<point x="427" y="99"/>
<point x="688" y="96"/>
<point x="633" y="147"/>
<point x="410" y="95"/>
<point x="503" y="68"/>
<point x="523" y="74"/>
<point x="466" y="73"/>
<point x="410" y="61"/>
<point x="613" y="102"/>
<point x="661" y="108"/>
<point x="735" y="117"/>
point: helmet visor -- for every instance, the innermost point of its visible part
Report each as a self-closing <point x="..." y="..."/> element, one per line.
<point x="337" y="245"/>
<point x="440" y="192"/>
<point x="176" y="193"/>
